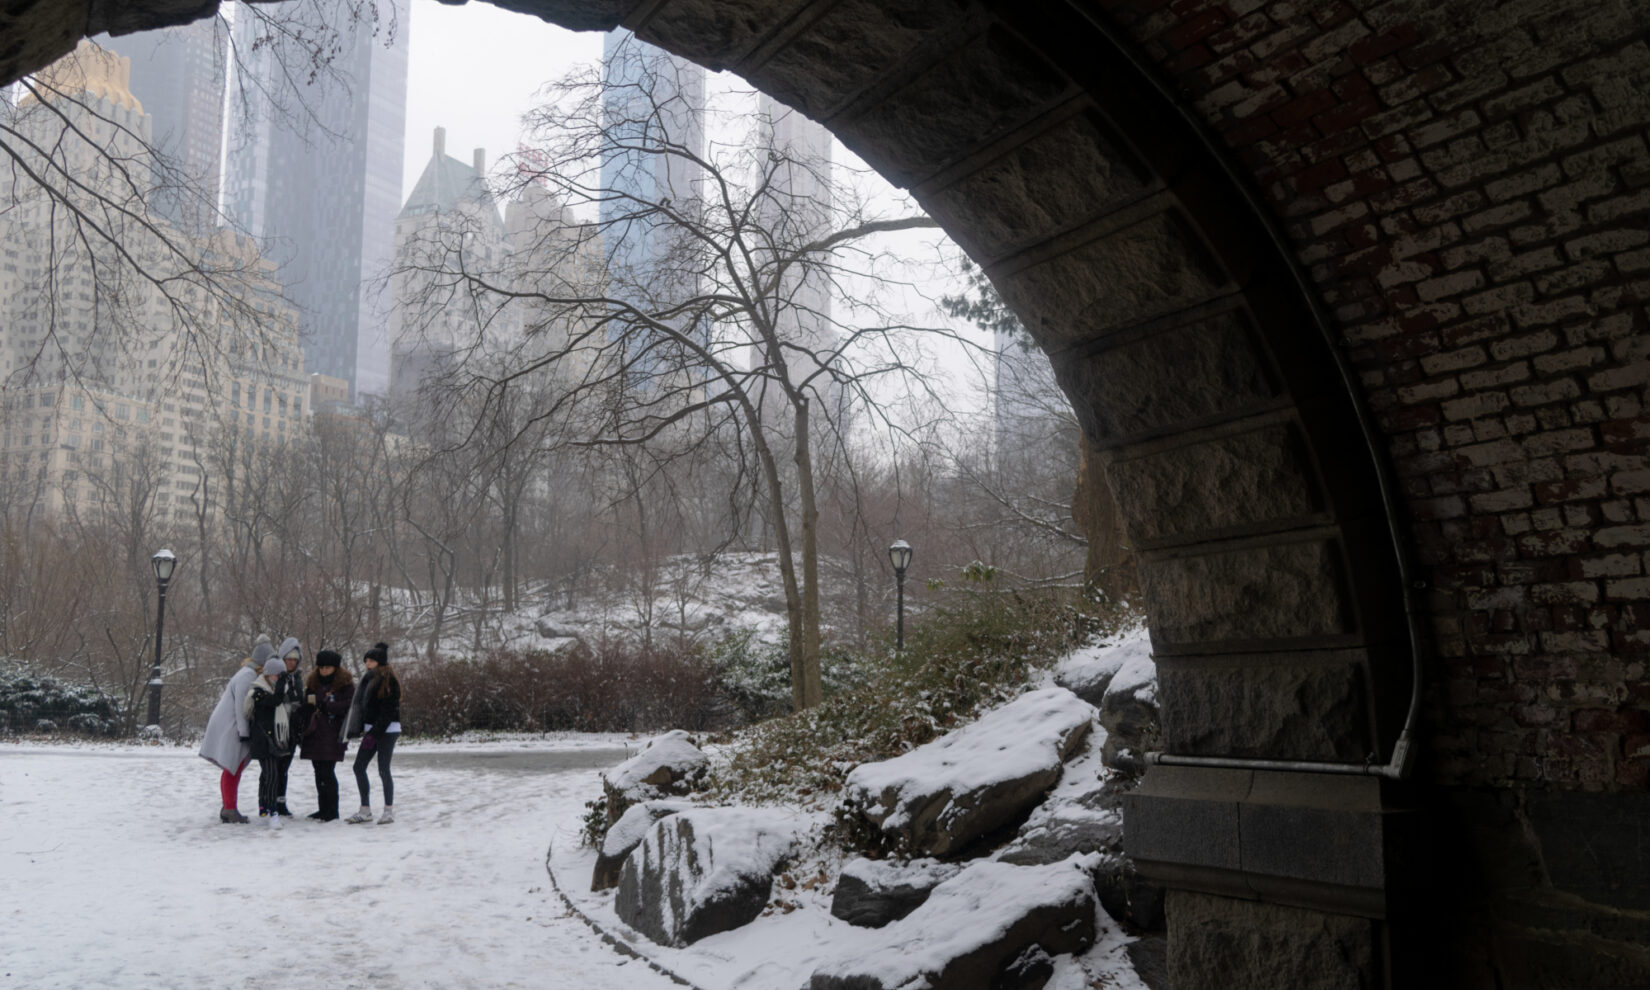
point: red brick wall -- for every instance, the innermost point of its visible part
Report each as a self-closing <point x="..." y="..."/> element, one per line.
<point x="1468" y="184"/>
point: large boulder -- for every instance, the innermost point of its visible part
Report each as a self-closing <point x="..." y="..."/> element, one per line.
<point x="939" y="798"/>
<point x="871" y="893"/>
<point x="625" y="835"/>
<point x="994" y="925"/>
<point x="668" y="766"/>
<point x="1129" y="714"/>
<point x="704" y="870"/>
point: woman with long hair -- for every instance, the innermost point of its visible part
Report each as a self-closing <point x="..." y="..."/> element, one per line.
<point x="375" y="716"/>
<point x="328" y="694"/>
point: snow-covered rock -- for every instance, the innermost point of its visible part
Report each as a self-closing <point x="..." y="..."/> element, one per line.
<point x="935" y="800"/>
<point x="668" y="766"/>
<point x="1088" y="672"/>
<point x="1129" y="712"/>
<point x="1088" y="821"/>
<point x="992" y="925"/>
<point x="705" y="870"/>
<point x="625" y="835"/>
<point x="871" y="893"/>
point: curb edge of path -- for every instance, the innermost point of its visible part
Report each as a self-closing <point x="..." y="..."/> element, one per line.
<point x="618" y="944"/>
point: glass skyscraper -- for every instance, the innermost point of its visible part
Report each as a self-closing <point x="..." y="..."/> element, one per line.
<point x="314" y="173"/>
<point x="649" y="97"/>
<point x="178" y="75"/>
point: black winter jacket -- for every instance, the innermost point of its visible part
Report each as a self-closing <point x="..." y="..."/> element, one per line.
<point x="380" y="710"/>
<point x="265" y="739"/>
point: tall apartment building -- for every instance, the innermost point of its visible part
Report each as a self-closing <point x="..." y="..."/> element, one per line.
<point x="314" y="174"/>
<point x="112" y="399"/>
<point x="178" y="75"/>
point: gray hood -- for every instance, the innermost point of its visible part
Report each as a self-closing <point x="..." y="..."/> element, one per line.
<point x="287" y="646"/>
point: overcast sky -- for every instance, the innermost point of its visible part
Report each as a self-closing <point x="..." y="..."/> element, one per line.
<point x="474" y="70"/>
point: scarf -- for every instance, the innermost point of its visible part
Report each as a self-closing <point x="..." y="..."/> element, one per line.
<point x="283" y="718"/>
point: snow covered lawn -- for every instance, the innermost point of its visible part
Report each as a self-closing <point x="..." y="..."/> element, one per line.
<point x="114" y="872"/>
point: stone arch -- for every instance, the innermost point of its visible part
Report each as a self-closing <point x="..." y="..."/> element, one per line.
<point x="1466" y="182"/>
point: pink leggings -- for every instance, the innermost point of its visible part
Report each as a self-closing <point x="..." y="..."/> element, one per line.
<point x="229" y="785"/>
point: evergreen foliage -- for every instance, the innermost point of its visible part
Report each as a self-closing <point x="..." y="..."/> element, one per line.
<point x="31" y="704"/>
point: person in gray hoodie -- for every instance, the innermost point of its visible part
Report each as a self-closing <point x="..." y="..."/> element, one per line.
<point x="225" y="743"/>
<point x="272" y="735"/>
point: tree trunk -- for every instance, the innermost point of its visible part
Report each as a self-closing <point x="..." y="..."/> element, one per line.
<point x="813" y="689"/>
<point x="1110" y="564"/>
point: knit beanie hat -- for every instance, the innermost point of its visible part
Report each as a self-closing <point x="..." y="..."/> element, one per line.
<point x="379" y="653"/>
<point x="328" y="658"/>
<point x="274" y="667"/>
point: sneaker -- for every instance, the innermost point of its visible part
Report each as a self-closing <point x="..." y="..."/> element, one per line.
<point x="280" y="809"/>
<point x="387" y="817"/>
<point x="229" y="816"/>
<point x="360" y="817"/>
<point x="274" y="823"/>
<point x="319" y="816"/>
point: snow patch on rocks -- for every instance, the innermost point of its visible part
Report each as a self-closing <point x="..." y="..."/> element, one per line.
<point x="871" y="893"/>
<point x="1129" y="708"/>
<point x="668" y="766"/>
<point x="975" y="926"/>
<point x="938" y="798"/>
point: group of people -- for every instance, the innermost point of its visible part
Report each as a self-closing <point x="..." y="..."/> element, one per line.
<point x="271" y="712"/>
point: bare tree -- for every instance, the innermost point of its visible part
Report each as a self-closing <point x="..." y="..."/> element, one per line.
<point x="710" y="312"/>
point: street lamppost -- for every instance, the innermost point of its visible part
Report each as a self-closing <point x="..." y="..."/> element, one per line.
<point x="899" y="554"/>
<point x="164" y="562"/>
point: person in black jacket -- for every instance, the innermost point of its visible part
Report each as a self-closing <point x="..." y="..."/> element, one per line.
<point x="376" y="717"/>
<point x="268" y="720"/>
<point x="290" y="690"/>
<point x="327" y="699"/>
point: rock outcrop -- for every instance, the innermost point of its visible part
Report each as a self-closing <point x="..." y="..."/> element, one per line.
<point x="991" y="926"/>
<point x="703" y="871"/>
<point x="939" y="798"/>
<point x="871" y="893"/>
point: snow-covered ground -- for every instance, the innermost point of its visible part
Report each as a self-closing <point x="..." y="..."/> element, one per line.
<point x="114" y="872"/>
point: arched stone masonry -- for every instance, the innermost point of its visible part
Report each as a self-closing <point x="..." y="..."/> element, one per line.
<point x="1466" y="186"/>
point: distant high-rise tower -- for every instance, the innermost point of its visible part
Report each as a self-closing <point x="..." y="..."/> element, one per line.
<point x="648" y="97"/>
<point x="178" y="75"/>
<point x="450" y="221"/>
<point x="796" y="209"/>
<point x="315" y="176"/>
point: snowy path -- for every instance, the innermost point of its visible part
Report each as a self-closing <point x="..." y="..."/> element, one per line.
<point x="114" y="872"/>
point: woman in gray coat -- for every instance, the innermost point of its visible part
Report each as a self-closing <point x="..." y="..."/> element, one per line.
<point x="225" y="743"/>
